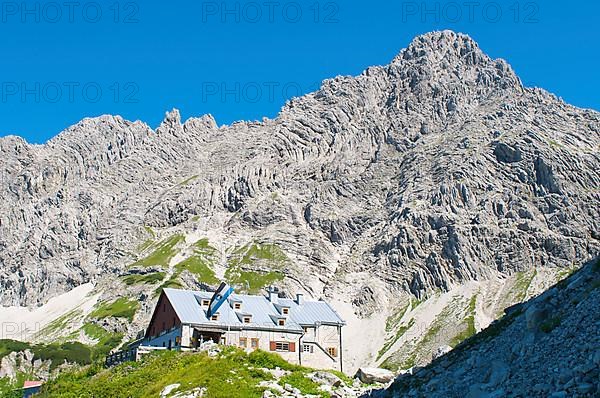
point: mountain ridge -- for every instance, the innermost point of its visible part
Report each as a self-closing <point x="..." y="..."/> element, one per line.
<point x="415" y="177"/>
<point x="417" y="48"/>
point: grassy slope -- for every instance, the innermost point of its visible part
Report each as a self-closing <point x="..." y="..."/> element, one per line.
<point x="146" y="279"/>
<point x="8" y="387"/>
<point x="200" y="263"/>
<point x="106" y="341"/>
<point x="250" y="267"/>
<point x="163" y="252"/>
<point x="61" y="323"/>
<point x="120" y="308"/>
<point x="233" y="374"/>
<point x="58" y="353"/>
<point x="470" y="329"/>
<point x="244" y="260"/>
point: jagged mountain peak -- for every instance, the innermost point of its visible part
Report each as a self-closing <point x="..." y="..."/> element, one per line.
<point x="445" y="56"/>
<point x="442" y="41"/>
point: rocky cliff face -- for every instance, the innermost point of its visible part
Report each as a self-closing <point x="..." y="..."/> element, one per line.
<point x="435" y="170"/>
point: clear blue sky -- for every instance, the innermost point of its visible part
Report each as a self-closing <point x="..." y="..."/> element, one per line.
<point x="242" y="60"/>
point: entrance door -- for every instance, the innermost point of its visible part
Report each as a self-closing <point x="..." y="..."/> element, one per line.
<point x="203" y="336"/>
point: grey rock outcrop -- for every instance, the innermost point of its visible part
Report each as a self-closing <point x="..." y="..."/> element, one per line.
<point x="374" y="375"/>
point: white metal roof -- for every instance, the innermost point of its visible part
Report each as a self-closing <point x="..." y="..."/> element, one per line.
<point x="187" y="305"/>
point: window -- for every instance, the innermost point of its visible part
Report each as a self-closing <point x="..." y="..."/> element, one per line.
<point x="205" y="303"/>
<point x="332" y="351"/>
<point x="243" y="342"/>
<point x="285" y="311"/>
<point x="164" y="307"/>
<point x="254" y="343"/>
<point x="281" y="322"/>
<point x="280" y="346"/>
<point x="214" y="317"/>
<point x="307" y="348"/>
<point x="237" y="306"/>
<point x="247" y="319"/>
<point x="224" y="340"/>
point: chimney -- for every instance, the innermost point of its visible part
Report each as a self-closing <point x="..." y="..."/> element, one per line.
<point x="299" y="298"/>
<point x="272" y="294"/>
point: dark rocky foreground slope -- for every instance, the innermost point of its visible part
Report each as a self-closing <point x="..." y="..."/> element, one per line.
<point x="546" y="347"/>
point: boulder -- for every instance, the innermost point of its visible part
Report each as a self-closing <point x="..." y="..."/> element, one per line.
<point x="374" y="375"/>
<point x="325" y="378"/>
<point x="168" y="389"/>
<point x="534" y="316"/>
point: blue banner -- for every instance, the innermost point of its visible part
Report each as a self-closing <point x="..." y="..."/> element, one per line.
<point x="219" y="298"/>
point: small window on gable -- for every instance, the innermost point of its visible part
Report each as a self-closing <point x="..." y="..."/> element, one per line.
<point x="285" y="310"/>
<point x="205" y="303"/>
<point x="214" y="317"/>
<point x="237" y="306"/>
<point x="247" y="319"/>
<point x="332" y="351"/>
<point x="281" y="322"/>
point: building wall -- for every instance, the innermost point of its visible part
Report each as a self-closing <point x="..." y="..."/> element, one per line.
<point x="163" y="340"/>
<point x="265" y="338"/>
<point x="164" y="318"/>
<point x="317" y="358"/>
<point x="28" y="392"/>
<point x="325" y="337"/>
<point x="319" y="339"/>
